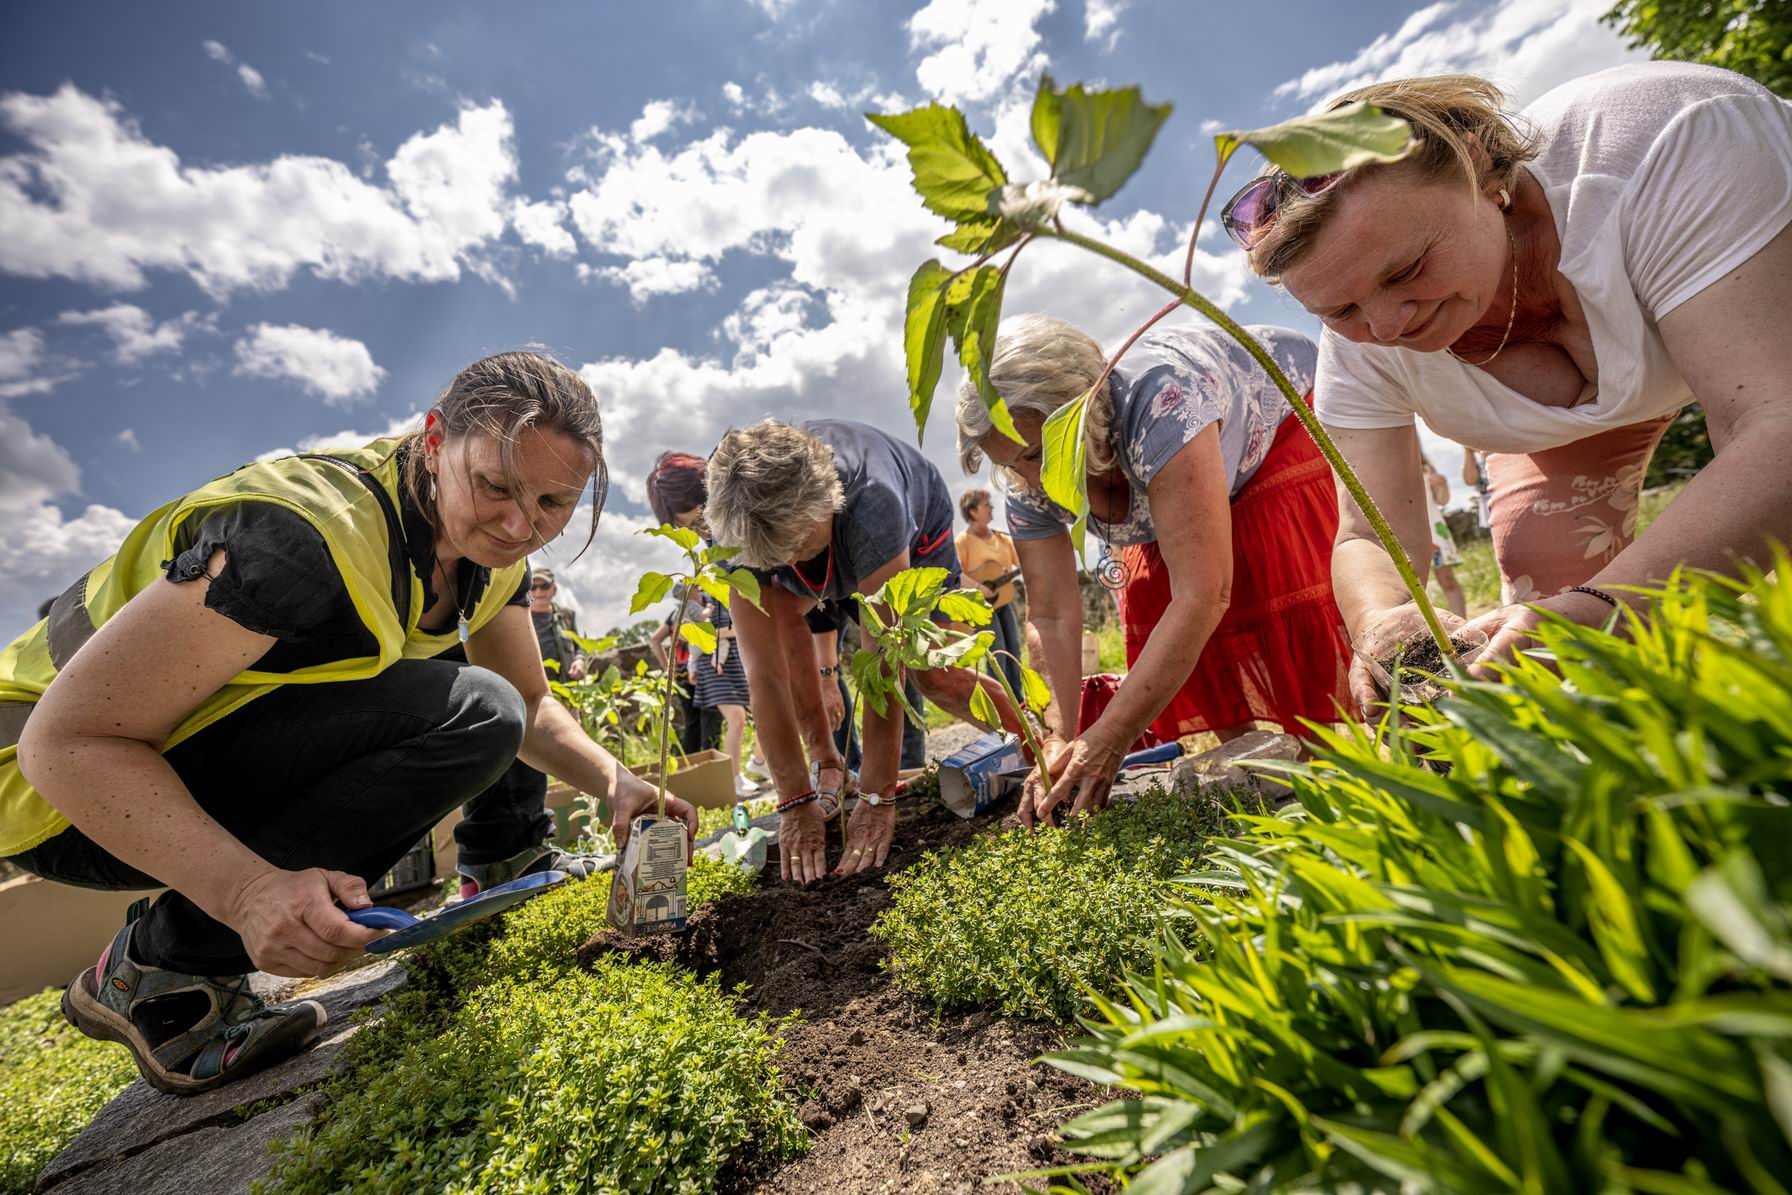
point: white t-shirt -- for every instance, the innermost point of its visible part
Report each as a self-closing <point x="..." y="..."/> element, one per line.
<point x="1663" y="177"/>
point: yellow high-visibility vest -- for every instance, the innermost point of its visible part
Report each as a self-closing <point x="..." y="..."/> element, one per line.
<point x="349" y="495"/>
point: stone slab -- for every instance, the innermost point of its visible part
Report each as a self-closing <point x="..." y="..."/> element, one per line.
<point x="140" y="1116"/>
<point x="217" y="1160"/>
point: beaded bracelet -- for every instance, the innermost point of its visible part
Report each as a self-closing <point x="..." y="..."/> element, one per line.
<point x="789" y="803"/>
<point x="1603" y="596"/>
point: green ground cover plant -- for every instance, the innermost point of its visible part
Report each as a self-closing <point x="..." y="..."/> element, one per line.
<point x="506" y="1067"/>
<point x="1541" y="942"/>
<point x="1024" y="922"/>
<point x="52" y="1081"/>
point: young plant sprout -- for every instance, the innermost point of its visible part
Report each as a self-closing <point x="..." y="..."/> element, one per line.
<point x="898" y="624"/>
<point x="1095" y="141"/>
<point x="707" y="572"/>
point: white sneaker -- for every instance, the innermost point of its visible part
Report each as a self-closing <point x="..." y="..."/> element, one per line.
<point x="744" y="788"/>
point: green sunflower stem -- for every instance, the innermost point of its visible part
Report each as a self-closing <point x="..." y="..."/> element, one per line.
<point x="1402" y="563"/>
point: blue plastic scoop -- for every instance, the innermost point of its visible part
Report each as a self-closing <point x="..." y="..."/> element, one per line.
<point x="451" y="918"/>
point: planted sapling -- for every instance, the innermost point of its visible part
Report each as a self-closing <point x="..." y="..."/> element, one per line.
<point x="647" y="892"/>
<point x="1095" y="141"/>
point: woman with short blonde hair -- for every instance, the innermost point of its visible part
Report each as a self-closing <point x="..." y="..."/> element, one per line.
<point x="1550" y="288"/>
<point x="1219" y="511"/>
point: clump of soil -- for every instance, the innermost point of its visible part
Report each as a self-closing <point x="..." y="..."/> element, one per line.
<point x="895" y="1098"/>
<point x="1419" y="660"/>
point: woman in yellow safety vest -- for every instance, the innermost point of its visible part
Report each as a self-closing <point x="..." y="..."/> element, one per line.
<point x="276" y="724"/>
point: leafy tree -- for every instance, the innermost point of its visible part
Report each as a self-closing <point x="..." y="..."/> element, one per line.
<point x="1750" y="37"/>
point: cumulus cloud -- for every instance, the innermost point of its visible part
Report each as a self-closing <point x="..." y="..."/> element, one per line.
<point x="349" y="437"/>
<point x="827" y="95"/>
<point x="134" y="332"/>
<point x="337" y="369"/>
<point x="543" y="225"/>
<point x="977" y="46"/>
<point x="1101" y="21"/>
<point x="650" y="277"/>
<point x="659" y="116"/>
<point x="21" y="357"/>
<point x="251" y="78"/>
<point x="1526" y="46"/>
<point x="601" y="581"/>
<point x="90" y="198"/>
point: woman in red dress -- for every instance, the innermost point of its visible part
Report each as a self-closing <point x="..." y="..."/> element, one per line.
<point x="1219" y="514"/>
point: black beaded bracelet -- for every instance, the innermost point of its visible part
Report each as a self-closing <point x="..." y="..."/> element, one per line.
<point x="1603" y="596"/>
<point x="785" y="806"/>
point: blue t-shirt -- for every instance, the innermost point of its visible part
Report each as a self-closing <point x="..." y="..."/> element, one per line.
<point x="895" y="499"/>
<point x="1169" y="387"/>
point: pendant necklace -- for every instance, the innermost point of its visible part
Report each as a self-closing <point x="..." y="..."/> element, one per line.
<point x="1511" y="315"/>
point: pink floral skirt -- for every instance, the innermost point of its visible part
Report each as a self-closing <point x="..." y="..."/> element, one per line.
<point x="1560" y="515"/>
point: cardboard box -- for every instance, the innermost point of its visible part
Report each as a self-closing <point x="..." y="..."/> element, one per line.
<point x="969" y="778"/>
<point x="705" y="779"/>
<point x="50" y="933"/>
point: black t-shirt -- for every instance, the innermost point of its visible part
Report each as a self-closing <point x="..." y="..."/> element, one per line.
<point x="895" y="499"/>
<point x="278" y="579"/>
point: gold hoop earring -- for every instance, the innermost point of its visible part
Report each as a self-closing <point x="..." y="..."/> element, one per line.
<point x="1505" y="199"/>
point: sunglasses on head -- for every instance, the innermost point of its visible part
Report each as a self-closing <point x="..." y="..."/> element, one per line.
<point x="1249" y="215"/>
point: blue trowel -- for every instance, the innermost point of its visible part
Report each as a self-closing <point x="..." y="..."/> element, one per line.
<point x="450" y="918"/>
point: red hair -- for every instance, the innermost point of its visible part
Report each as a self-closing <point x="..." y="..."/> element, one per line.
<point x="676" y="485"/>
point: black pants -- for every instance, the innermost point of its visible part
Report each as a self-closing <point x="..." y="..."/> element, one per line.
<point x="507" y="817"/>
<point x="345" y="776"/>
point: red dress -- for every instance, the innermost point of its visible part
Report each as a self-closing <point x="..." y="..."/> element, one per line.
<point x="1280" y="653"/>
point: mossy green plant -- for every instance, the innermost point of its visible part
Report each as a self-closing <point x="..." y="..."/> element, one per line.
<point x="52" y="1081"/>
<point x="1026" y="923"/>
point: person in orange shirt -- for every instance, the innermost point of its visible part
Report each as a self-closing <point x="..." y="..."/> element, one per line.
<point x="990" y="563"/>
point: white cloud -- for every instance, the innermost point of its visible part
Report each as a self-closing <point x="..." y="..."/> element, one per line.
<point x="827" y="95"/>
<point x="1101" y="21"/>
<point x="602" y="580"/>
<point x="978" y="46"/>
<point x="251" y="78"/>
<point x="134" y="332"/>
<point x="24" y="367"/>
<point x="93" y="200"/>
<point x="774" y="9"/>
<point x="348" y="437"/>
<point x="659" y="116"/>
<point x="541" y="224"/>
<point x="649" y="277"/>
<point x="127" y="439"/>
<point x="734" y="94"/>
<point x="1526" y="46"/>
<point x="335" y="368"/>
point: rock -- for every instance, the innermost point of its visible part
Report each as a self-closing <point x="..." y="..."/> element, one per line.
<point x="844" y="1099"/>
<point x="815" y="1117"/>
<point x="1220" y="766"/>
<point x="217" y="1158"/>
<point x="916" y="1115"/>
<point x="140" y="1117"/>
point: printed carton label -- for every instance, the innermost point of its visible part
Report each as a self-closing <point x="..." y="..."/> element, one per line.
<point x="647" y="891"/>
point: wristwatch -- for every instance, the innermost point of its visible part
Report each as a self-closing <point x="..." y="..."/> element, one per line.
<point x="827" y="669"/>
<point x="876" y="799"/>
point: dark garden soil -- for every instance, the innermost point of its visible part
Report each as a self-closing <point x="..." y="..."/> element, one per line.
<point x="895" y="1098"/>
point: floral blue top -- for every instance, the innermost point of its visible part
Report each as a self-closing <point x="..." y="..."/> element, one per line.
<point x="1169" y="387"/>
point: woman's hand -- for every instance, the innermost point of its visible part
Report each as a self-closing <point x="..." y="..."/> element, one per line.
<point x="576" y="670"/>
<point x="634" y="797"/>
<point x="803" y="843"/>
<point x="290" y="923"/>
<point x="1082" y="772"/>
<point x="869" y="831"/>
<point x="832" y="703"/>
<point x="1384" y="631"/>
<point x="1510" y="629"/>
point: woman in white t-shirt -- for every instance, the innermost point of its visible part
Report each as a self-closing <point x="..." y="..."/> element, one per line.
<point x="1551" y="290"/>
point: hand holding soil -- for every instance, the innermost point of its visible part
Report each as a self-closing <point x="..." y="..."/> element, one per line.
<point x="869" y="830"/>
<point x="291" y="925"/>
<point x="803" y="843"/>
<point x="1387" y="631"/>
<point x="634" y="796"/>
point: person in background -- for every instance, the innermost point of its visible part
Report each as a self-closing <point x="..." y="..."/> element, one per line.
<point x="1551" y="287"/>
<point x="1221" y="512"/>
<point x="506" y="830"/>
<point x="828" y="511"/>
<point x="1474" y="472"/>
<point x="721" y="683"/>
<point x="1444" y="556"/>
<point x="698" y="729"/>
<point x="307" y="728"/>
<point x="828" y="622"/>
<point x="989" y="560"/>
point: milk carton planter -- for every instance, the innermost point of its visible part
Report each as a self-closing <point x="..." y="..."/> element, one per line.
<point x="647" y="892"/>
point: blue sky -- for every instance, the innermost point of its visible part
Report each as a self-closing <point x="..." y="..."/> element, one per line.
<point x="227" y="230"/>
